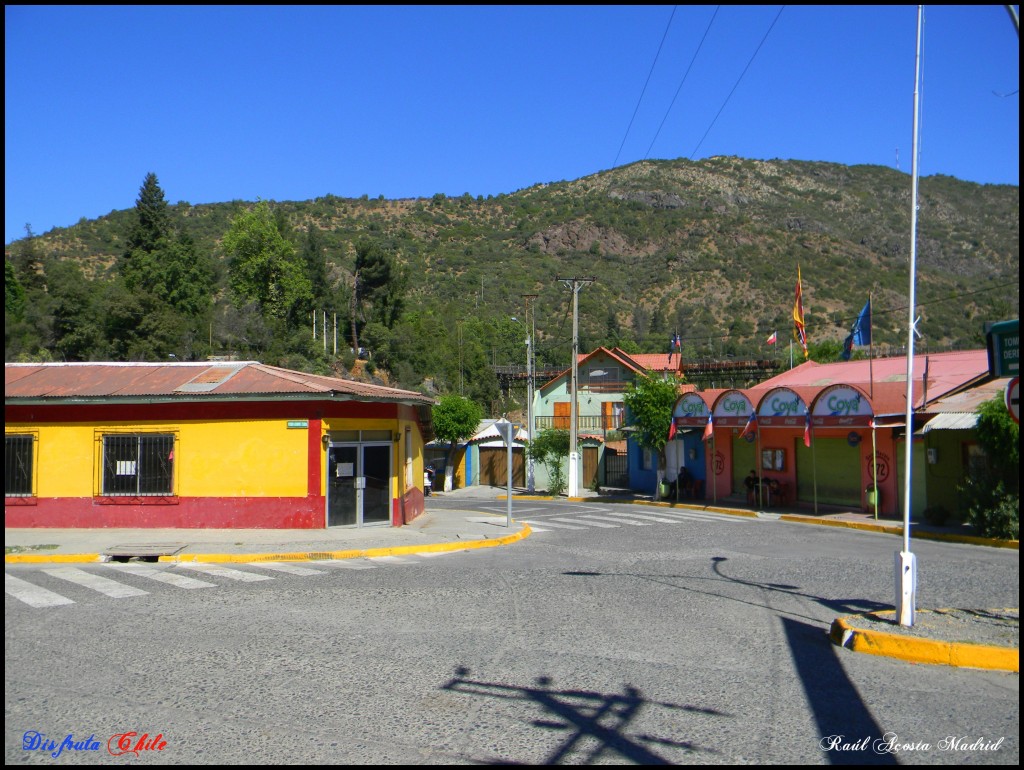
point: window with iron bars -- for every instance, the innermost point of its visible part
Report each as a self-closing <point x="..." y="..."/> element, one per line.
<point x="18" y="463"/>
<point x="140" y="464"/>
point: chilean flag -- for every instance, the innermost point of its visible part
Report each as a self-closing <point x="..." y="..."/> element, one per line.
<point x="773" y="339"/>
<point x="807" y="429"/>
<point x="709" y="429"/>
<point x="672" y="429"/>
<point x="751" y="427"/>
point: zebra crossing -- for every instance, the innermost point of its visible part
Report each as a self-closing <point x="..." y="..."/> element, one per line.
<point x="122" y="580"/>
<point x="605" y="519"/>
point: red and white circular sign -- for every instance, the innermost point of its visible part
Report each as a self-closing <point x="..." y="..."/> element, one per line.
<point x="1013" y="399"/>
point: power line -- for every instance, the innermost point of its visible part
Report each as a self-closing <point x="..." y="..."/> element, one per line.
<point x="644" y="90"/>
<point x="681" y="82"/>
<point x="738" y="81"/>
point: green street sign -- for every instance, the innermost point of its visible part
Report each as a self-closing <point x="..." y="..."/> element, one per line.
<point x="1003" y="341"/>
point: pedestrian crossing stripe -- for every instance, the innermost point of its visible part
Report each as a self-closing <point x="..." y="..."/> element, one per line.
<point x="98" y="583"/>
<point x="225" y="572"/>
<point x="31" y="594"/>
<point x="615" y="518"/>
<point x="577" y="520"/>
<point x="287" y="567"/>
<point x="161" y="575"/>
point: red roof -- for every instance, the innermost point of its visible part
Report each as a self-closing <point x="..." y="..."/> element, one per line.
<point x="187" y="381"/>
<point x="947" y="373"/>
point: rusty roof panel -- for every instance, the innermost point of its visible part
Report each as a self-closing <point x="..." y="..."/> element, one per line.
<point x="117" y="381"/>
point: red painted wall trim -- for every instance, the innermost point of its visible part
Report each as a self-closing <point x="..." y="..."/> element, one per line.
<point x="185" y="513"/>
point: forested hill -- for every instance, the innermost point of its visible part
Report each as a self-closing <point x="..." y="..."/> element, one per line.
<point x="707" y="249"/>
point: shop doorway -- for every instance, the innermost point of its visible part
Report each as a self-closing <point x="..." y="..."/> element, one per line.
<point x="358" y="484"/>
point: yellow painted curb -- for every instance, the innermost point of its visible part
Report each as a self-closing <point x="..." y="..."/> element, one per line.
<point x="81" y="558"/>
<point x="962" y="655"/>
<point x="399" y="550"/>
<point x="898" y="530"/>
<point x="62" y="558"/>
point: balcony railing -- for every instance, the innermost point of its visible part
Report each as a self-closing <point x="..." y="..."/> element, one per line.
<point x="584" y="422"/>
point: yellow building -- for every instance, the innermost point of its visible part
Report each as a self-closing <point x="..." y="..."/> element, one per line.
<point x="214" y="445"/>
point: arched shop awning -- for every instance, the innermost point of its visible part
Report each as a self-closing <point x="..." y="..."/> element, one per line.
<point x="781" y="408"/>
<point x="841" y="406"/>
<point x="691" y="411"/>
<point x="732" y="409"/>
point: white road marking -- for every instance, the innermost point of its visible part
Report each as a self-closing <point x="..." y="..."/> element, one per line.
<point x="347" y="563"/>
<point x="225" y="572"/>
<point x="32" y="595"/>
<point x="395" y="560"/>
<point x="588" y="523"/>
<point x="162" y="575"/>
<point x="647" y="517"/>
<point x="612" y="517"/>
<point x="284" y="566"/>
<point x="553" y="523"/>
<point x="98" y="583"/>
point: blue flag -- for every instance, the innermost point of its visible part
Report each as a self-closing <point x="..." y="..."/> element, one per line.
<point x="862" y="329"/>
<point x="860" y="334"/>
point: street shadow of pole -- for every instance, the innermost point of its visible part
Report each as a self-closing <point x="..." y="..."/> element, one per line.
<point x="600" y="717"/>
<point x="843" y="719"/>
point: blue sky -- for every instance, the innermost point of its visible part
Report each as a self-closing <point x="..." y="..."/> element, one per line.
<point x="295" y="102"/>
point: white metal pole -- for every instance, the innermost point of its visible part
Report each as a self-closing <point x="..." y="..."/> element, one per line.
<point x="573" y="450"/>
<point x="906" y="565"/>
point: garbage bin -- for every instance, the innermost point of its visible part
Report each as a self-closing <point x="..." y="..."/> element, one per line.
<point x="871" y="497"/>
<point x="663" y="490"/>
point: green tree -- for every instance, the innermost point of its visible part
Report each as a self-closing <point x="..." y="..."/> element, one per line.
<point x="992" y="495"/>
<point x="649" y="403"/>
<point x="314" y="257"/>
<point x="263" y="266"/>
<point x="14" y="293"/>
<point x="27" y="257"/>
<point x="550" y="448"/>
<point x="153" y="218"/>
<point x="378" y="289"/>
<point x="455" y="419"/>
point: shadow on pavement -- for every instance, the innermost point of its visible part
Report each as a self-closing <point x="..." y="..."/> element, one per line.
<point x="587" y="717"/>
<point x="848" y="732"/>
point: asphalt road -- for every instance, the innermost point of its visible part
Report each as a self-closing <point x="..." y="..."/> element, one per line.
<point x="693" y="640"/>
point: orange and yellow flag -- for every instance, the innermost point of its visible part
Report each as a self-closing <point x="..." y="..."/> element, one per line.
<point x="799" y="330"/>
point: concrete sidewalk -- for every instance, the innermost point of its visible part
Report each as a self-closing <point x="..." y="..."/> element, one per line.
<point x="436" y="530"/>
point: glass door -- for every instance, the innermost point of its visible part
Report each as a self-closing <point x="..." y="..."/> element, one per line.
<point x="342" y="503"/>
<point x="358" y="484"/>
<point x="376" y="472"/>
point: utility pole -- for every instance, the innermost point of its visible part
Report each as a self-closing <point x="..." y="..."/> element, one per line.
<point x="574" y="456"/>
<point x="531" y="326"/>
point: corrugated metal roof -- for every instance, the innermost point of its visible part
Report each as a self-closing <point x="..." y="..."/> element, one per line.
<point x="950" y="421"/>
<point x="947" y="373"/>
<point x="123" y="382"/>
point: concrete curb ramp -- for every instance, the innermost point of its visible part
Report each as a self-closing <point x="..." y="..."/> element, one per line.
<point x="920" y="650"/>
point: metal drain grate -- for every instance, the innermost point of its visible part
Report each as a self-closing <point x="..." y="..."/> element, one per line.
<point x="143" y="550"/>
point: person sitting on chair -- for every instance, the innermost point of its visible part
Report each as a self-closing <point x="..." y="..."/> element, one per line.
<point x="752" y="482"/>
<point x="685" y="482"/>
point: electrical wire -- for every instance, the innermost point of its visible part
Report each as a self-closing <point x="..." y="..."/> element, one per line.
<point x="681" y="82"/>
<point x="644" y="90"/>
<point x="738" y="81"/>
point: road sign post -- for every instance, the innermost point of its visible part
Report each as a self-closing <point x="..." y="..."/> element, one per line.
<point x="508" y="432"/>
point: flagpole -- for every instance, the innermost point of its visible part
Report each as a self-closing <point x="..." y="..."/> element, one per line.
<point x="874" y="464"/>
<point x="814" y="468"/>
<point x="906" y="562"/>
<point x="757" y="464"/>
<point x="871" y="356"/>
